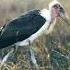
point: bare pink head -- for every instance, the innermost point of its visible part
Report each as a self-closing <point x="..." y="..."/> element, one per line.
<point x="57" y="10"/>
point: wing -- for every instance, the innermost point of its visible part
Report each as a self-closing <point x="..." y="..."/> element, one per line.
<point x="21" y="28"/>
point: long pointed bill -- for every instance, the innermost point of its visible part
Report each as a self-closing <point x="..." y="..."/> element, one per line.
<point x="65" y="18"/>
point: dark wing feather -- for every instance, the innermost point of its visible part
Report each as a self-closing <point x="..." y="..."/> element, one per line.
<point x="21" y="28"/>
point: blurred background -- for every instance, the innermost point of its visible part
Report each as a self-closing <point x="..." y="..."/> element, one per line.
<point x="52" y="52"/>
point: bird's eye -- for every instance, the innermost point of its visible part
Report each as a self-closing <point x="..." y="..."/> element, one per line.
<point x="56" y="6"/>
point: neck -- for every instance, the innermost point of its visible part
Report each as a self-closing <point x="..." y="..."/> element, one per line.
<point x="50" y="21"/>
<point x="47" y="27"/>
<point x="51" y="27"/>
<point x="52" y="14"/>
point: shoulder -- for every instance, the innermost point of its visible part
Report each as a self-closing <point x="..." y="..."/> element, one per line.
<point x="46" y="14"/>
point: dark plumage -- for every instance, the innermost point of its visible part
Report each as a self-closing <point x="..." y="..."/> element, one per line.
<point x="21" y="28"/>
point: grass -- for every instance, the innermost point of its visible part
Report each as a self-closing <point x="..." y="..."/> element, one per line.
<point x="50" y="51"/>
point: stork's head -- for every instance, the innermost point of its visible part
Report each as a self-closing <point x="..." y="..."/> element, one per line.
<point x="57" y="10"/>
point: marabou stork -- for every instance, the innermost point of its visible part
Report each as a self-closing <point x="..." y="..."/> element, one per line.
<point x="25" y="29"/>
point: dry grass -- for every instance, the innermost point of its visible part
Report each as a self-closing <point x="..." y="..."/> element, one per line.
<point x="58" y="40"/>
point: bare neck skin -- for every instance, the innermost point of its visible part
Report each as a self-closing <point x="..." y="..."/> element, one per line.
<point x="52" y="22"/>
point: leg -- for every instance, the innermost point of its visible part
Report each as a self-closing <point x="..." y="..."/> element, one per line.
<point x="32" y="56"/>
<point x="6" y="57"/>
<point x="28" y="43"/>
<point x="16" y="45"/>
<point x="33" y="59"/>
